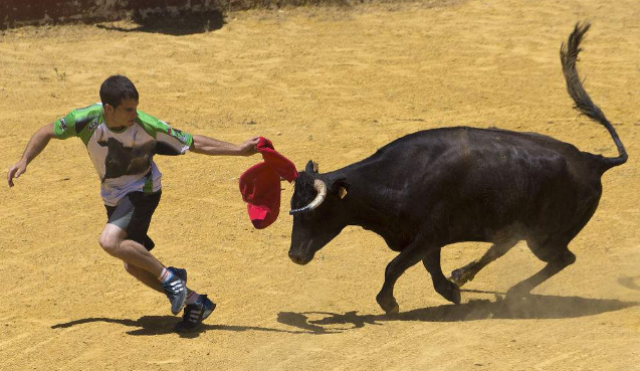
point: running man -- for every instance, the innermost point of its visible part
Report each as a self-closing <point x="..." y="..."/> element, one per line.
<point x="121" y="141"/>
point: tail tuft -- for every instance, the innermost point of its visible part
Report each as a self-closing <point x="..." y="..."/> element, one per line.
<point x="569" y="56"/>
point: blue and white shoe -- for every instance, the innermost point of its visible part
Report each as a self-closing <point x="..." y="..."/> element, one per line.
<point x="194" y="314"/>
<point x="176" y="289"/>
<point x="181" y="273"/>
<point x="208" y="305"/>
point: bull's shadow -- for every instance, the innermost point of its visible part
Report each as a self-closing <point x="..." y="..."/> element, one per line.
<point x="529" y="307"/>
<point x="163" y="325"/>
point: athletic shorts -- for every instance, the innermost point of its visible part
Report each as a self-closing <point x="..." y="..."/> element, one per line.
<point x="133" y="214"/>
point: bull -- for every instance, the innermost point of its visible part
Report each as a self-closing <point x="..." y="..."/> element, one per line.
<point x="448" y="185"/>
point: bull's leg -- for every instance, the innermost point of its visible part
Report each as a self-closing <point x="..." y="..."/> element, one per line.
<point x="557" y="258"/>
<point x="411" y="255"/>
<point x="465" y="274"/>
<point x="443" y="286"/>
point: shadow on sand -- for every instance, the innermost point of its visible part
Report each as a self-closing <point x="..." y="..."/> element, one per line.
<point x="185" y="24"/>
<point x="632" y="283"/>
<point x="162" y="325"/>
<point x="530" y="307"/>
<point x="320" y="323"/>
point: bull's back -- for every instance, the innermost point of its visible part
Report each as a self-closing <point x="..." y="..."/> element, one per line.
<point x="471" y="184"/>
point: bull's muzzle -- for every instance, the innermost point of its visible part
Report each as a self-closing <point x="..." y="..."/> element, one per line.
<point x="301" y="259"/>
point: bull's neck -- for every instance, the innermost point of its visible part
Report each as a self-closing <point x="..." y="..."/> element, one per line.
<point x="371" y="201"/>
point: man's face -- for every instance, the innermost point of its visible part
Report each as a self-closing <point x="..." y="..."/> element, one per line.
<point x="123" y="115"/>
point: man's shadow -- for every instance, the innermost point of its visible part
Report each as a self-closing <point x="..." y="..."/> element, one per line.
<point x="180" y="25"/>
<point x="529" y="307"/>
<point x="162" y="325"/>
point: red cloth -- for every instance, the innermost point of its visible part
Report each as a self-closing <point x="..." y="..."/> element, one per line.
<point x="260" y="184"/>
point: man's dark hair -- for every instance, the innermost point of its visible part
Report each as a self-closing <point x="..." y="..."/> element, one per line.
<point x="117" y="88"/>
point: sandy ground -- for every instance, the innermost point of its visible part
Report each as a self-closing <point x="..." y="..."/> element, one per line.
<point x="331" y="85"/>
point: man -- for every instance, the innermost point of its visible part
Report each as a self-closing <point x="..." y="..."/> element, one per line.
<point x="121" y="142"/>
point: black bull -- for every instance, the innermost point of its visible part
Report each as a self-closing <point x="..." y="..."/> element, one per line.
<point x="443" y="186"/>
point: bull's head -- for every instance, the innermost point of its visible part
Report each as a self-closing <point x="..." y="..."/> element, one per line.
<point x="318" y="213"/>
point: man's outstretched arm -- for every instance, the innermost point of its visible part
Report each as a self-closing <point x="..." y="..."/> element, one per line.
<point x="214" y="147"/>
<point x="36" y="144"/>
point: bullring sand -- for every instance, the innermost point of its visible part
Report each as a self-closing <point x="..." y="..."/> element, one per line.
<point x="332" y="85"/>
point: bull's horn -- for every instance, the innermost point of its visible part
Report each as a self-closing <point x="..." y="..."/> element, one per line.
<point x="321" y="187"/>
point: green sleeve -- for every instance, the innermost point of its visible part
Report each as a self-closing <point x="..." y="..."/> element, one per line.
<point x="65" y="127"/>
<point x="80" y="122"/>
<point x="164" y="132"/>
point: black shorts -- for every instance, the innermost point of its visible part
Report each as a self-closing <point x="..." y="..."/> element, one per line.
<point x="133" y="214"/>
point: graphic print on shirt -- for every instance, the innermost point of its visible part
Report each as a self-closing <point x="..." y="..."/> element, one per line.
<point x="123" y="160"/>
<point x="178" y="134"/>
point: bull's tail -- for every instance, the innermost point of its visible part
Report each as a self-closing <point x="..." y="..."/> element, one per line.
<point x="569" y="56"/>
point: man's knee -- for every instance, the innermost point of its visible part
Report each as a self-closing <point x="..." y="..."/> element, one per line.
<point x="109" y="245"/>
<point x="111" y="239"/>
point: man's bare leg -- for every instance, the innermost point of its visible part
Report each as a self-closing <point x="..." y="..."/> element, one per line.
<point x="143" y="276"/>
<point x="135" y="255"/>
<point x="114" y="243"/>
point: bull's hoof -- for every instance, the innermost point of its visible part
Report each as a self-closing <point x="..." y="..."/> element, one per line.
<point x="450" y="292"/>
<point x="519" y="291"/>
<point x="394" y="310"/>
<point x="461" y="276"/>
<point x="388" y="306"/>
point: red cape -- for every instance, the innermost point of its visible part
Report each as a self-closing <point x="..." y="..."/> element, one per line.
<point x="260" y="184"/>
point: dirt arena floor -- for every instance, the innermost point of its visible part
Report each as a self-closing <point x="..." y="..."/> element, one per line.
<point x="331" y="85"/>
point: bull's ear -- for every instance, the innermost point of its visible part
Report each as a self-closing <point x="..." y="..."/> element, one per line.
<point x="312" y="167"/>
<point x="340" y="187"/>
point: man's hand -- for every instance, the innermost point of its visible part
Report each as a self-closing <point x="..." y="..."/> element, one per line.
<point x="249" y="147"/>
<point x="36" y="144"/>
<point x="15" y="171"/>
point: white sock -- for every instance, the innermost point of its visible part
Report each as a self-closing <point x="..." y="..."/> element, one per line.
<point x="165" y="276"/>
<point x="192" y="296"/>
